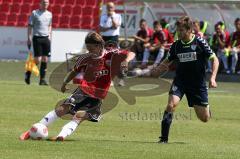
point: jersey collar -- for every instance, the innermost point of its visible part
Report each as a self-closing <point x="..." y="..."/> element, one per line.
<point x="99" y="57"/>
<point x="189" y="41"/>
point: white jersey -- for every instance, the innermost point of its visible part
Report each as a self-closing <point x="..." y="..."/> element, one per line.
<point x="40" y="21"/>
<point x="106" y="22"/>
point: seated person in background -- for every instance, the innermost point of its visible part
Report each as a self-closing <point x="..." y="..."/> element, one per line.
<point x="142" y="37"/>
<point x="169" y="35"/>
<point x="157" y="45"/>
<point x="198" y="33"/>
<point x="220" y="42"/>
<point x="205" y="29"/>
<point x="235" y="44"/>
<point x="196" y="28"/>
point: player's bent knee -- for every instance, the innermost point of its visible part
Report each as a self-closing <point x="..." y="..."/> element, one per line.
<point x="80" y="116"/>
<point x="204" y="118"/>
<point x="62" y="110"/>
<point x="171" y="107"/>
<point x="44" y="59"/>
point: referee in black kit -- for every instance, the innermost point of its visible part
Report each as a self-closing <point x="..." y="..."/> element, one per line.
<point x="39" y="34"/>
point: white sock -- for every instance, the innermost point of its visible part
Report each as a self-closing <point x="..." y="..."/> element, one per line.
<point x="69" y="128"/>
<point x="49" y="118"/>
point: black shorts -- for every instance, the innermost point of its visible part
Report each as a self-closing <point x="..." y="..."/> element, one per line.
<point x="41" y="46"/>
<point x="81" y="101"/>
<point x="195" y="96"/>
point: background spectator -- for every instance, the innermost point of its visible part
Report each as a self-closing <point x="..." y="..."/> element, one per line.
<point x="219" y="44"/>
<point x="110" y="24"/>
<point x="156" y="45"/>
<point x="39" y="33"/>
<point x="142" y="37"/>
<point x="235" y="44"/>
<point x="196" y="28"/>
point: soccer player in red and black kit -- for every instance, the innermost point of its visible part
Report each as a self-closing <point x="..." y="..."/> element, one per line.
<point x="142" y="37"/>
<point x="99" y="67"/>
<point x="191" y="54"/>
<point x="235" y="44"/>
<point x="156" y="46"/>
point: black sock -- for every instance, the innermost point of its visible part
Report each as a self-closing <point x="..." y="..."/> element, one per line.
<point x="28" y="74"/>
<point x="166" y="123"/>
<point x="43" y="69"/>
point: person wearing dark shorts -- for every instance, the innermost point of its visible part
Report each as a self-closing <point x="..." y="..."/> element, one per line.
<point x="98" y="67"/>
<point x="80" y="101"/>
<point x="191" y="54"/>
<point x="39" y="35"/>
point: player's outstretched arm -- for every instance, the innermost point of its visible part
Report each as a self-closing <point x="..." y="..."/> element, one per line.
<point x="124" y="64"/>
<point x="156" y="71"/>
<point x="130" y="56"/>
<point x="215" y="65"/>
<point x="69" y="77"/>
<point x="139" y="38"/>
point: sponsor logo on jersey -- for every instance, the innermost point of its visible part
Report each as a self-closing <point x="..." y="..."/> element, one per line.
<point x="174" y="88"/>
<point x="186" y="57"/>
<point x="101" y="73"/>
<point x="193" y="47"/>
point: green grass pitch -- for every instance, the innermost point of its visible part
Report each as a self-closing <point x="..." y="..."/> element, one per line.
<point x="126" y="132"/>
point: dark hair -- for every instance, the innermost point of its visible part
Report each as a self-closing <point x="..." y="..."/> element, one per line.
<point x="236" y="20"/>
<point x="155" y="23"/>
<point x="142" y="21"/>
<point x="201" y="24"/>
<point x="185" y="22"/>
<point x="94" y="38"/>
<point x="218" y="24"/>
<point x="163" y="22"/>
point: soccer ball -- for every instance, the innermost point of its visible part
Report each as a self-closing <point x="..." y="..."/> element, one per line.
<point x="38" y="131"/>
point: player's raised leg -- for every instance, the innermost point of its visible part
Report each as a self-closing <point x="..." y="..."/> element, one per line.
<point x="81" y="112"/>
<point x="173" y="101"/>
<point x="203" y="112"/>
